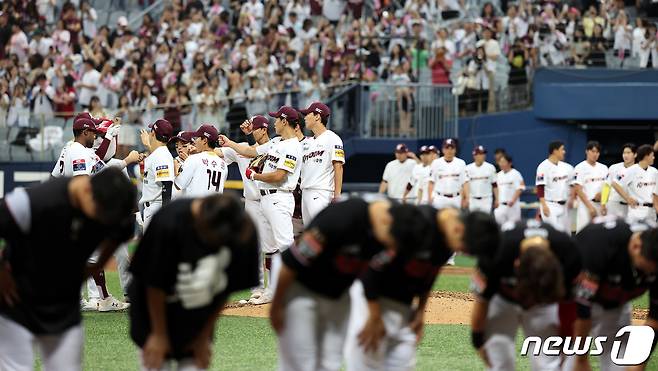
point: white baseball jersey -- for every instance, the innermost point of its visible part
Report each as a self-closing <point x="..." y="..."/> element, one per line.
<point x="448" y="177"/>
<point x="508" y="183"/>
<point x="285" y="155"/>
<point x="420" y="178"/>
<point x="641" y="184"/>
<point x="480" y="179"/>
<point x="265" y="147"/>
<point x="158" y="168"/>
<point x="76" y="159"/>
<point x="317" y="163"/>
<point x="591" y="178"/>
<point x="398" y="174"/>
<point x="556" y="180"/>
<point x="204" y="174"/>
<point x="250" y="189"/>
<point x="616" y="173"/>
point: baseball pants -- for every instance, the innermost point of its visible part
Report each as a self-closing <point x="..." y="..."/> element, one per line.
<point x="558" y="218"/>
<point x="505" y="213"/>
<point x="58" y="351"/>
<point x="583" y="218"/>
<point x="123" y="264"/>
<point x="314" y="331"/>
<point x="503" y="320"/>
<point x="277" y="209"/>
<point x="606" y="322"/>
<point x="442" y="202"/>
<point x="314" y="201"/>
<point x="149" y="211"/>
<point x="396" y="351"/>
<point x="617" y="209"/>
<point x="253" y="209"/>
<point x="642" y="213"/>
<point x="483" y="204"/>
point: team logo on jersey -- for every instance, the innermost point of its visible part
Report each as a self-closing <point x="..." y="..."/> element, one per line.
<point x="540" y="177"/>
<point x="79" y="165"/>
<point x="204" y="161"/>
<point x="97" y="167"/>
<point x="338" y="151"/>
<point x="290" y="162"/>
<point x="162" y="171"/>
<point x="558" y="178"/>
<point x="312" y="155"/>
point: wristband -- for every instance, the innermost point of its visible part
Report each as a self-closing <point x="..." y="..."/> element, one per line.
<point x="477" y="338"/>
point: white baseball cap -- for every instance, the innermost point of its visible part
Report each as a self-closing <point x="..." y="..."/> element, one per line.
<point x="122" y="21"/>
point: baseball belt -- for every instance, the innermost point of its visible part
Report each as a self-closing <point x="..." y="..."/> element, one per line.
<point x="448" y="195"/>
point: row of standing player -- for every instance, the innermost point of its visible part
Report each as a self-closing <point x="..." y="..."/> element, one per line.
<point x="625" y="189"/>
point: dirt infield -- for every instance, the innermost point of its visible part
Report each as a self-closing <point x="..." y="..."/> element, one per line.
<point x="443" y="308"/>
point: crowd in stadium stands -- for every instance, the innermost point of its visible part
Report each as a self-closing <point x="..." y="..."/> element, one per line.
<point x="227" y="60"/>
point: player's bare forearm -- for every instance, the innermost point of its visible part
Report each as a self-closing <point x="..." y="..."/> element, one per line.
<point x="655" y="202"/>
<point x="242" y="149"/>
<point x="516" y="196"/>
<point x="582" y="196"/>
<point x="466" y="191"/>
<point x="479" y="315"/>
<point x="621" y="192"/>
<point x="156" y="302"/>
<point x="495" y="193"/>
<point x="273" y="177"/>
<point x="338" y="178"/>
<point x="382" y="186"/>
<point x="430" y="191"/>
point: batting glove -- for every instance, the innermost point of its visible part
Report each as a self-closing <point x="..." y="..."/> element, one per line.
<point x="112" y="132"/>
<point x="250" y="174"/>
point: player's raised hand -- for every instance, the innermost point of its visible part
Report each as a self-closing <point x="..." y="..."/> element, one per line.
<point x="133" y="157"/>
<point x="247" y="127"/>
<point x="372" y="333"/>
<point x="112" y="131"/>
<point x="146" y="139"/>
<point x="225" y="141"/>
<point x="8" y="292"/>
<point x="116" y="120"/>
<point x="154" y="351"/>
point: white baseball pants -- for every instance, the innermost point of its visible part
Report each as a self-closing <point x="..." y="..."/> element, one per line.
<point x="149" y="211"/>
<point x="606" y="322"/>
<point x="642" y="213"/>
<point x="58" y="352"/>
<point x="123" y="264"/>
<point x="442" y="202"/>
<point x="484" y="204"/>
<point x="558" y="218"/>
<point x="314" y="201"/>
<point x="314" y="331"/>
<point x="583" y="218"/>
<point x="277" y="209"/>
<point x="503" y="320"/>
<point x="617" y="209"/>
<point x="253" y="209"/>
<point x="396" y="351"/>
<point x="505" y="213"/>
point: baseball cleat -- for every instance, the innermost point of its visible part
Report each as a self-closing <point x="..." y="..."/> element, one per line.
<point x="256" y="293"/>
<point x="263" y="299"/>
<point x="89" y="306"/>
<point x="242" y="303"/>
<point x="110" y="304"/>
<point x="451" y="261"/>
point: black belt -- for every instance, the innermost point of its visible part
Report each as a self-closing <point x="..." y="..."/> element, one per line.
<point x="480" y="198"/>
<point x="449" y="195"/>
<point x="647" y="205"/>
<point x="147" y="204"/>
<point x="623" y="203"/>
<point x="505" y="203"/>
<point x="265" y="192"/>
<point x="558" y="202"/>
<point x="593" y="200"/>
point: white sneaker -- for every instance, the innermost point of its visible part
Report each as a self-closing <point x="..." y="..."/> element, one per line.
<point x="110" y="304"/>
<point x="256" y="293"/>
<point x="263" y="299"/>
<point x="451" y="261"/>
<point x="89" y="306"/>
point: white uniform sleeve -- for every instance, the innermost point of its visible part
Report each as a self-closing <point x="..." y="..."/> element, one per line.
<point x="263" y="148"/>
<point x="519" y="179"/>
<point x="630" y="176"/>
<point x="493" y="176"/>
<point x="80" y="161"/>
<point x="163" y="167"/>
<point x="184" y="178"/>
<point x="288" y="159"/>
<point x="466" y="175"/>
<point x="655" y="188"/>
<point x="463" y="175"/>
<point x="572" y="176"/>
<point x="579" y="174"/>
<point x="336" y="150"/>
<point x="540" y="178"/>
<point x="387" y="173"/>
<point x="230" y="156"/>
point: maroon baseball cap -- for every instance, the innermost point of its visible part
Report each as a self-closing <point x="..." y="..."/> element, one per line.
<point x="317" y="107"/>
<point x="84" y="123"/>
<point x="258" y="122"/>
<point x="207" y="131"/>
<point x="449" y="143"/>
<point x="162" y="128"/>
<point x="433" y="148"/>
<point x="286" y="112"/>
<point x="87" y="115"/>
<point x="479" y="150"/>
<point x="425" y="149"/>
<point x="183" y="136"/>
<point x="401" y="148"/>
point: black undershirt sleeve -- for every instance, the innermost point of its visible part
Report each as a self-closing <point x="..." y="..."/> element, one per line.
<point x="166" y="192"/>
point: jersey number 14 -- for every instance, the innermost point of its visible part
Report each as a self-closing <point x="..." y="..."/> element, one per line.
<point x="214" y="179"/>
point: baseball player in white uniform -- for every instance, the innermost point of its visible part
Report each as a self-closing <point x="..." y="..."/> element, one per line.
<point x="205" y="172"/>
<point x="554" y="179"/>
<point x="480" y="183"/>
<point x="510" y="187"/>
<point x="590" y="177"/>
<point x="420" y="177"/>
<point x="184" y="149"/>
<point x="257" y="127"/>
<point x="397" y="173"/>
<point x="322" y="164"/>
<point x="641" y="187"/>
<point x="447" y="178"/>
<point x="611" y="201"/>
<point x="158" y="169"/>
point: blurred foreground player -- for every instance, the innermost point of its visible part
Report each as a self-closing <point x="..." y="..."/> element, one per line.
<point x="619" y="264"/>
<point x="311" y="306"/>
<point x="534" y="268"/>
<point x="193" y="255"/>
<point x="51" y="230"/>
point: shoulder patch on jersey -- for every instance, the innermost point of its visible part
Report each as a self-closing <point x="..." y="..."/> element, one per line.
<point x="97" y="167"/>
<point x="291" y="157"/>
<point x="79" y="165"/>
<point x="338" y="151"/>
<point x="290" y="162"/>
<point x="162" y="171"/>
<point x="540" y="177"/>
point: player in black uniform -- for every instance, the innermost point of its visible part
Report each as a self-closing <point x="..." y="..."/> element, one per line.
<point x="384" y="330"/>
<point x="51" y="230"/>
<point x="311" y="305"/>
<point x="193" y="255"/>
<point x="534" y="268"/>
<point x="619" y="264"/>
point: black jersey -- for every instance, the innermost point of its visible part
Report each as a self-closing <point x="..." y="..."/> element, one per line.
<point x="609" y="278"/>
<point x="335" y="248"/>
<point x="196" y="278"/>
<point x="48" y="244"/>
<point x="409" y="273"/>
<point x="499" y="275"/>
